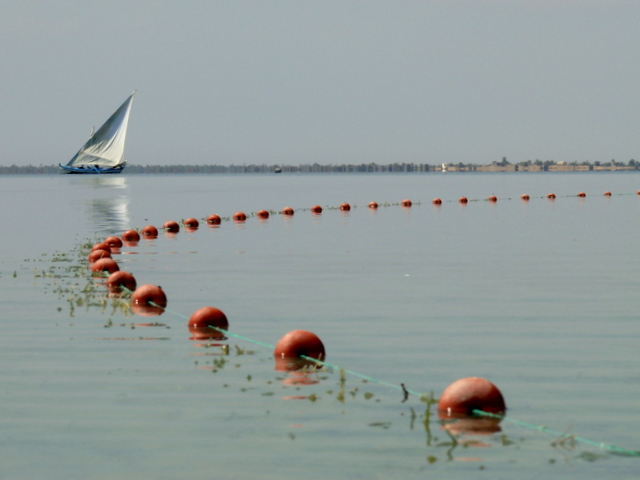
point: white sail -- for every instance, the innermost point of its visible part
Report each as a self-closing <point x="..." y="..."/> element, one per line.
<point x="105" y="148"/>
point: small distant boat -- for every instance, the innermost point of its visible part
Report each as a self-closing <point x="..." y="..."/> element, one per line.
<point x="277" y="170"/>
<point x="104" y="151"/>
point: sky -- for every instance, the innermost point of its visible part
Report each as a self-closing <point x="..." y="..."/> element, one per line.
<point x="328" y="82"/>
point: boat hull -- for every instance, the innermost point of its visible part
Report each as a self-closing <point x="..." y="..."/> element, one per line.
<point x="90" y="170"/>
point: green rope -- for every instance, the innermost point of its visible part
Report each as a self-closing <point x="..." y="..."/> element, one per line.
<point x="541" y="428"/>
<point x="406" y="391"/>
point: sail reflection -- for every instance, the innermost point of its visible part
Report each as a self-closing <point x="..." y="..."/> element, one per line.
<point x="99" y="181"/>
<point x="108" y="203"/>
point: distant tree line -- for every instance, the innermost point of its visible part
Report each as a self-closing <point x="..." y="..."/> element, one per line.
<point x="503" y="165"/>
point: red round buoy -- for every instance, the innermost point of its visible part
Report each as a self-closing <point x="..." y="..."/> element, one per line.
<point x="171" y="226"/>
<point x="213" y="219"/>
<point x="98" y="254"/>
<point x="297" y="343"/>
<point x="373" y="205"/>
<point x="492" y="199"/>
<point x="582" y="194"/>
<point x="150" y="232"/>
<point x="464" y="396"/>
<point x="104" y="265"/>
<point x="316" y="209"/>
<point x="120" y="279"/>
<point x="638" y="192"/>
<point x="101" y="246"/>
<point x="345" y="207"/>
<point x="191" y="223"/>
<point x="436" y="201"/>
<point x="607" y="194"/>
<point x="148" y="300"/>
<point x="239" y="217"/>
<point x="202" y="322"/>
<point x="300" y="342"/>
<point x="263" y="214"/>
<point x="113" y="241"/>
<point x="406" y="203"/>
<point x="524" y="197"/>
<point x="208" y="317"/>
<point x="131" y="236"/>
<point x="287" y="211"/>
<point x="463" y="200"/>
<point x="551" y="196"/>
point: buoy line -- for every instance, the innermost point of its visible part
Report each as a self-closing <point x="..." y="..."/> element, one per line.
<point x="172" y="226"/>
<point x="459" y="398"/>
<point x="470" y="397"/>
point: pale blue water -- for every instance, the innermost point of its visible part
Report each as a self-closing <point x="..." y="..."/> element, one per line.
<point x="538" y="297"/>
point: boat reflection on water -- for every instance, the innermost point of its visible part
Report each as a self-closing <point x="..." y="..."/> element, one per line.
<point x="107" y="207"/>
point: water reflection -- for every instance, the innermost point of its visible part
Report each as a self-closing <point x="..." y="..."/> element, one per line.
<point x="471" y="425"/>
<point x="109" y="215"/>
<point x="291" y="364"/>
<point x="107" y="205"/>
<point x="99" y="181"/>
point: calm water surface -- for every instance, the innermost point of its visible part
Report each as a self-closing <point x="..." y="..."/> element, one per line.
<point x="539" y="297"/>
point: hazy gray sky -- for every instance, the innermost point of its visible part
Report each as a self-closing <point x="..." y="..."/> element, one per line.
<point x="323" y="81"/>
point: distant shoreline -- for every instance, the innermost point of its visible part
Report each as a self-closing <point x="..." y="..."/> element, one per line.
<point x="495" y="167"/>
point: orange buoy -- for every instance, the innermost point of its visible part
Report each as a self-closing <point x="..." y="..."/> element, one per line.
<point x="213" y="219"/>
<point x="239" y="217"/>
<point x="463" y="200"/>
<point x="207" y="317"/>
<point x="436" y="201"/>
<point x="345" y="207"/>
<point x="131" y="236"/>
<point x="406" y="203"/>
<point x="101" y="246"/>
<point x="292" y="346"/>
<point x="524" y="197"/>
<point x="551" y="196"/>
<point x="171" y="226"/>
<point x="104" y="265"/>
<point x="638" y="192"/>
<point x="263" y="214"/>
<point x="202" y="322"/>
<point x="287" y="211"/>
<point x="317" y="209"/>
<point x="300" y="342"/>
<point x="98" y="254"/>
<point x="191" y="223"/>
<point x="113" y="241"/>
<point x="148" y="300"/>
<point x="607" y="194"/>
<point x="492" y="199"/>
<point x="464" y="396"/>
<point x="582" y="194"/>
<point x="150" y="232"/>
<point x="373" y="205"/>
<point x="120" y="279"/>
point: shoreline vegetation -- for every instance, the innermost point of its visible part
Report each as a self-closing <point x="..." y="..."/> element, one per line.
<point x="501" y="166"/>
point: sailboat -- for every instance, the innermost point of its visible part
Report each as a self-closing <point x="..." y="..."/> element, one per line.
<point x="104" y="151"/>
